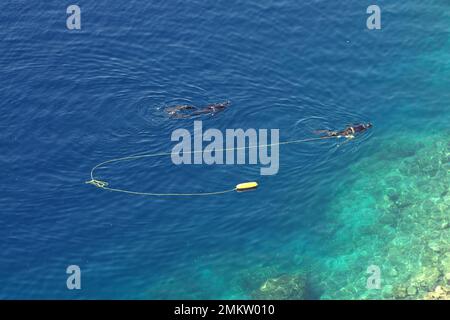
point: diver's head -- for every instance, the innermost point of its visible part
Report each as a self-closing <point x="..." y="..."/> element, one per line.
<point x="368" y="125"/>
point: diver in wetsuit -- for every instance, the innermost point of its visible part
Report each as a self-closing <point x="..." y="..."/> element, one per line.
<point x="349" y="132"/>
<point x="187" y="111"/>
<point x="179" y="110"/>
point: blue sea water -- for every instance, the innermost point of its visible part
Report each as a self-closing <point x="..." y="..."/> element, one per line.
<point x="71" y="99"/>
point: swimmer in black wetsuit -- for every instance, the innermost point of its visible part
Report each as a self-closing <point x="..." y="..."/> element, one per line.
<point x="187" y="111"/>
<point x="179" y="111"/>
<point x="349" y="132"/>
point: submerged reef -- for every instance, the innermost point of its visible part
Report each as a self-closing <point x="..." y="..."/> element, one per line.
<point x="393" y="212"/>
<point x="267" y="282"/>
<point x="285" y="287"/>
<point x="395" y="215"/>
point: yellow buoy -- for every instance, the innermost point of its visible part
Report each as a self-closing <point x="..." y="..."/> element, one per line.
<point x="246" y="186"/>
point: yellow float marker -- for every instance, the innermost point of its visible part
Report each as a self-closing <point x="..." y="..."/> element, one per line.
<point x="246" y="186"/>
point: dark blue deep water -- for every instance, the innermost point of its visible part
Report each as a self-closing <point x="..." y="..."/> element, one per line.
<point x="71" y="99"/>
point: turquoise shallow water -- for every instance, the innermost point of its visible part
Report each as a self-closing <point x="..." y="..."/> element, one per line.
<point x="71" y="100"/>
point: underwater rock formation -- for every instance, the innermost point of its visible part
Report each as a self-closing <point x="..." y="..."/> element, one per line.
<point x="439" y="293"/>
<point x="285" y="287"/>
<point x="249" y="279"/>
